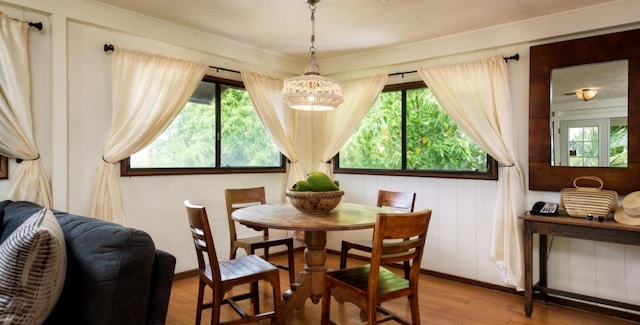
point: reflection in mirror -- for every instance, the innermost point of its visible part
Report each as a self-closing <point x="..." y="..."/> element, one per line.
<point x="589" y="119"/>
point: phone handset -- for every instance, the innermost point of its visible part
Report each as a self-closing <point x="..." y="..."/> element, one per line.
<point x="545" y="208"/>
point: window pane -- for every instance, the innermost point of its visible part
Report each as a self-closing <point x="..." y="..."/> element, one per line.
<point x="244" y="141"/>
<point x="218" y="131"/>
<point x="583" y="146"/>
<point x="434" y="141"/>
<point x="189" y="142"/>
<point x="407" y="132"/>
<point x="377" y="142"/>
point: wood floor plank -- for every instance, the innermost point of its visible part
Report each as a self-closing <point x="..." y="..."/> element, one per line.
<point x="442" y="302"/>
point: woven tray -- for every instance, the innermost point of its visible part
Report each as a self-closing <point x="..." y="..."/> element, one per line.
<point x="581" y="200"/>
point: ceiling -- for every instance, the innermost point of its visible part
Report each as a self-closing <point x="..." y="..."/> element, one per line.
<point x="343" y="27"/>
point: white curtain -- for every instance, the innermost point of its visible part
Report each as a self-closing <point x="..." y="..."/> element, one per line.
<point x="477" y="96"/>
<point x="279" y="120"/>
<point x="29" y="181"/>
<point x="148" y="91"/>
<point x="359" y="96"/>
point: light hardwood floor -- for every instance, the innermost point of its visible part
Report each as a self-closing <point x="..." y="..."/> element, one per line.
<point x="442" y="302"/>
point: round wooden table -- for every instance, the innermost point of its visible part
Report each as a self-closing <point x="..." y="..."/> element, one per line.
<point x="310" y="282"/>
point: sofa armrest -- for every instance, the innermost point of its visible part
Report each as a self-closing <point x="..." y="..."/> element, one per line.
<point x="161" y="282"/>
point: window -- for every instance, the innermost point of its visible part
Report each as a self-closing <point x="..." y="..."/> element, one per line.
<point x="217" y="131"/>
<point x="593" y="143"/>
<point x="407" y="132"/>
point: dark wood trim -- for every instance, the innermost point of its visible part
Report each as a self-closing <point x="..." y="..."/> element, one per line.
<point x="544" y="58"/>
<point x="125" y="171"/>
<point x="4" y="167"/>
<point x="491" y="174"/>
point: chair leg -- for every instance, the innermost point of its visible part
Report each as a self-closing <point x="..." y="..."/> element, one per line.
<point x="325" y="317"/>
<point x="255" y="297"/>
<point x="415" y="309"/>
<point x="371" y="314"/>
<point x="200" y="301"/>
<point x="255" y="292"/>
<point x="292" y="271"/>
<point x="216" y="305"/>
<point x="277" y="300"/>
<point x="343" y="256"/>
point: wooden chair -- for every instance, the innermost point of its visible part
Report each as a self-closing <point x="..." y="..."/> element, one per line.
<point x="368" y="286"/>
<point x="399" y="201"/>
<point x="238" y="198"/>
<point x="222" y="276"/>
<point x="242" y="197"/>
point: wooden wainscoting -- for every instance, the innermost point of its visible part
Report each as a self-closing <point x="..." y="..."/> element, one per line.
<point x="442" y="301"/>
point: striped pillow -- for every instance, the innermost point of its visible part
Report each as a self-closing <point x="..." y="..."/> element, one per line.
<point x="33" y="263"/>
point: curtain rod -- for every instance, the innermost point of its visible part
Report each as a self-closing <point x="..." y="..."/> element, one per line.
<point x="37" y="25"/>
<point x="515" y="57"/>
<point x="110" y="47"/>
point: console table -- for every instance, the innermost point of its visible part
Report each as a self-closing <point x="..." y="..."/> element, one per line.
<point x="607" y="231"/>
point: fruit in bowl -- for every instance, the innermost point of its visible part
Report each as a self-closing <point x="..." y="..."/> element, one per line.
<point x="317" y="194"/>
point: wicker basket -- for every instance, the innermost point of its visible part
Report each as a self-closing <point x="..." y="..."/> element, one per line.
<point x="581" y="200"/>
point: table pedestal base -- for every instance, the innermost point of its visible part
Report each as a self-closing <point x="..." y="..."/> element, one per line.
<point x="310" y="282"/>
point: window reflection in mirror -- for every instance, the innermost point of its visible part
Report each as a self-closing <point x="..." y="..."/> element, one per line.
<point x="589" y="115"/>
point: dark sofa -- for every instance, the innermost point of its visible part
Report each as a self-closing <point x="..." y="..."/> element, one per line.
<point x="115" y="275"/>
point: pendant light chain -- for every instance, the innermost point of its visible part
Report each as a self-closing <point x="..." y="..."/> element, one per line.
<point x="312" y="49"/>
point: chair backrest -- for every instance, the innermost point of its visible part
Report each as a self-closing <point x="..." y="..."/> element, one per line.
<point x="398" y="237"/>
<point x="240" y="198"/>
<point x="400" y="201"/>
<point x="202" y="239"/>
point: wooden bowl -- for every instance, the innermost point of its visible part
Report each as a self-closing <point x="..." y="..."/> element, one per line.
<point x="315" y="202"/>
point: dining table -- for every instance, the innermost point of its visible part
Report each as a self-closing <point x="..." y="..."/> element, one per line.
<point x="310" y="281"/>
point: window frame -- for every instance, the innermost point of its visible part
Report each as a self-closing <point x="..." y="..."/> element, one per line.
<point x="126" y="169"/>
<point x="492" y="164"/>
<point x="4" y="167"/>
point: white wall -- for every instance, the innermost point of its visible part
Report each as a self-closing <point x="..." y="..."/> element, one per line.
<point x="71" y="100"/>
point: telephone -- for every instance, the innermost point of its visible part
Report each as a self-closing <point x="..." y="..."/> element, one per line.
<point x="545" y="209"/>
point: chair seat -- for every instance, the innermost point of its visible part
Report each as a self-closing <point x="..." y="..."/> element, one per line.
<point x="358" y="279"/>
<point x="241" y="267"/>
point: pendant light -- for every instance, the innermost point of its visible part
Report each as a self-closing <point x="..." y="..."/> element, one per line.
<point x="311" y="91"/>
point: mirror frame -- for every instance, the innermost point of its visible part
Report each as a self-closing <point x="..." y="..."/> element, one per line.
<point x="544" y="58"/>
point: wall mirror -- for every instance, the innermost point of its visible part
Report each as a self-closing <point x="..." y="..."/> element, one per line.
<point x="589" y="124"/>
<point x="562" y="76"/>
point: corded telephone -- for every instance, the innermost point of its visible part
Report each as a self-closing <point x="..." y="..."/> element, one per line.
<point x="544" y="208"/>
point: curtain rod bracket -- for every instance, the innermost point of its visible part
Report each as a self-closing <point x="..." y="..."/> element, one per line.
<point x="515" y="57"/>
<point x="108" y="47"/>
<point x="36" y="25"/>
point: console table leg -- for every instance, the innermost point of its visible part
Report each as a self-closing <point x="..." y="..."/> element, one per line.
<point x="528" y="265"/>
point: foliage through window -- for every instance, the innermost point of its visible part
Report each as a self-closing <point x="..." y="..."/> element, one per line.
<point x="407" y="132"/>
<point x="190" y="145"/>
